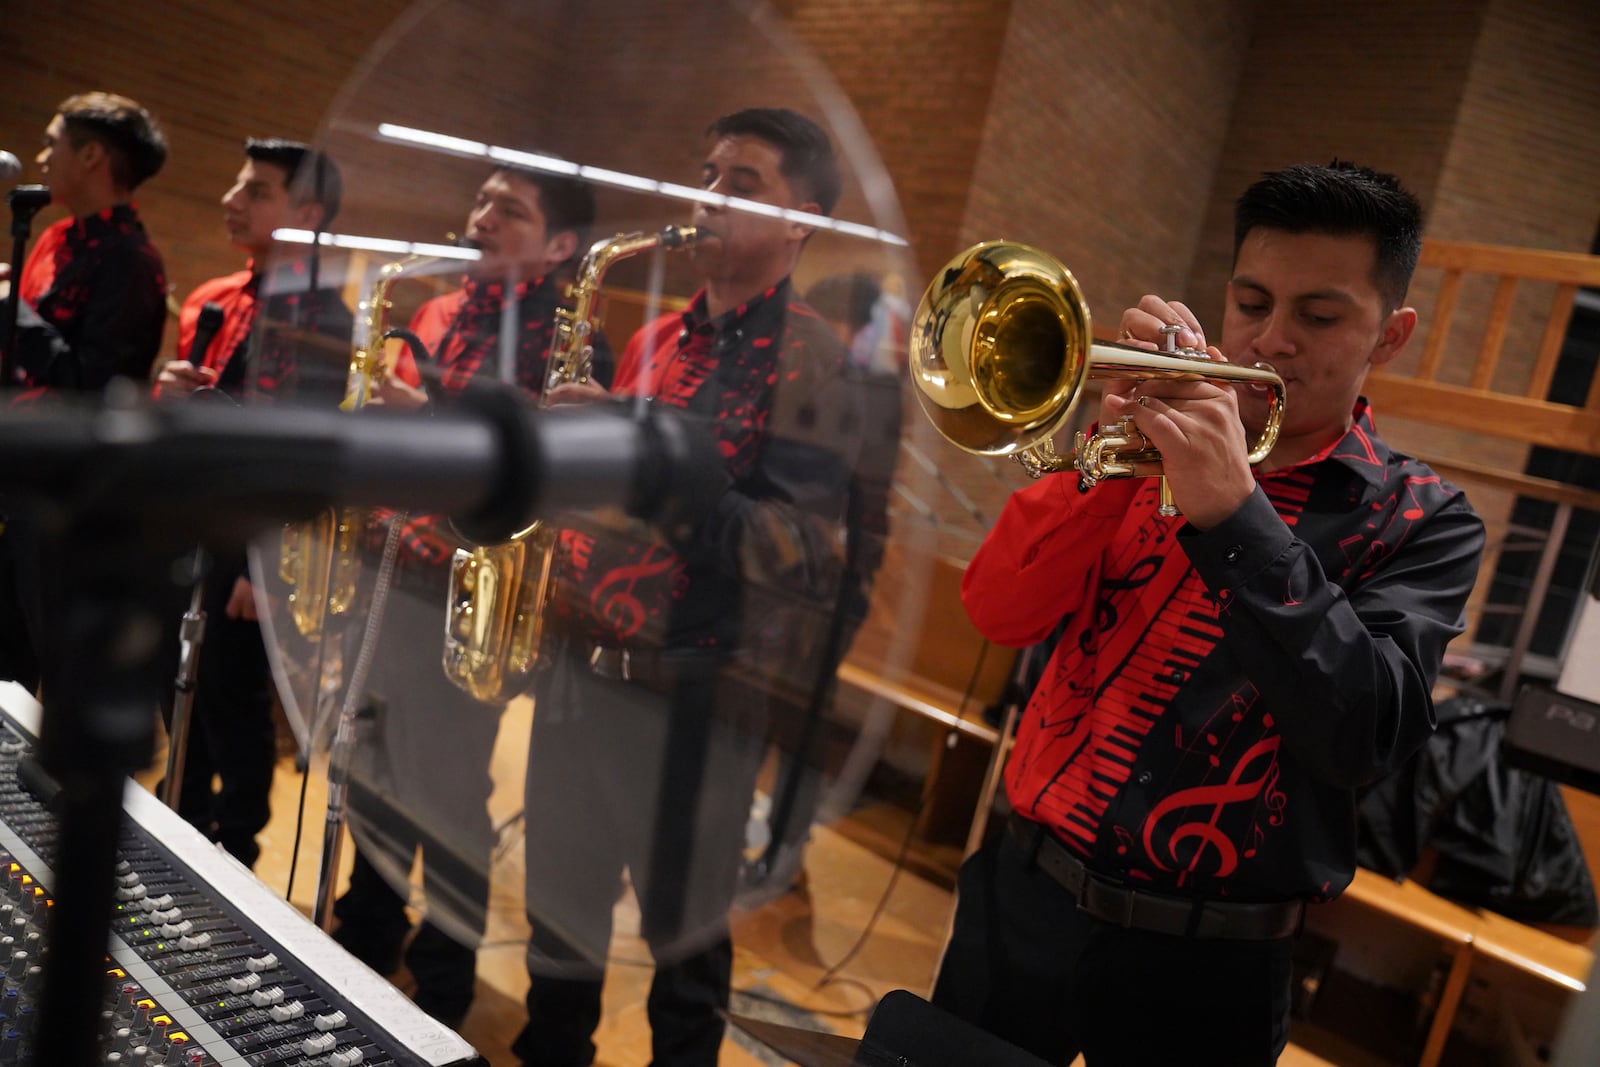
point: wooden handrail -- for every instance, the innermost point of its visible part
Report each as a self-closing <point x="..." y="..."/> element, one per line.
<point x="1489" y="403"/>
<point x="1529" y="263"/>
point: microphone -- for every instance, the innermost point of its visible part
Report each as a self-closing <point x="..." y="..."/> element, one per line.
<point x="25" y="202"/>
<point x="10" y="167"/>
<point x="205" y="331"/>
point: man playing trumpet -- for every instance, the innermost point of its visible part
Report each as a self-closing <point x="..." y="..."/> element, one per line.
<point x="1184" y="777"/>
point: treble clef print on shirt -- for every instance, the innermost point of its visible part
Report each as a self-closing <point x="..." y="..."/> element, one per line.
<point x="1153" y="624"/>
<point x="1214" y="853"/>
<point x="1105" y="605"/>
<point x="616" y="598"/>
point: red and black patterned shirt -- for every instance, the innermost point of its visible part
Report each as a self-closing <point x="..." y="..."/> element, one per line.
<point x="275" y="325"/>
<point x="1217" y="697"/>
<point x="768" y="377"/>
<point x="462" y="333"/>
<point x="94" y="296"/>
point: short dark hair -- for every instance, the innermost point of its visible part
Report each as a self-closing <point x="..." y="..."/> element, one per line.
<point x="846" y="298"/>
<point x="1342" y="199"/>
<point x="567" y="201"/>
<point x="311" y="177"/>
<point x="130" y="135"/>
<point x="806" y="156"/>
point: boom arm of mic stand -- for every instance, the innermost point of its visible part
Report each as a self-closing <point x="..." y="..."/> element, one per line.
<point x="221" y="473"/>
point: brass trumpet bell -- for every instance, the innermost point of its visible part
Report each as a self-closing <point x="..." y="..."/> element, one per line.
<point x="998" y="348"/>
<point x="1001" y="347"/>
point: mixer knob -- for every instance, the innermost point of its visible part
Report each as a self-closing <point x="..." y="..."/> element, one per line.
<point x="190" y="942"/>
<point x="317" y="1044"/>
<point x="333" y="1020"/>
<point x="261" y="963"/>
<point x="262" y="998"/>
<point x="282" y="1013"/>
<point x="244" y="983"/>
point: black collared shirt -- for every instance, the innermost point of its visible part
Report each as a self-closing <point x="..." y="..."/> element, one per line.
<point x="1218" y="696"/>
<point x="770" y="379"/>
<point x="462" y="332"/>
<point x="93" y="303"/>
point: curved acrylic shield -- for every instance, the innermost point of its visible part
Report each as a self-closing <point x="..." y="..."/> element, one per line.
<point x="654" y="731"/>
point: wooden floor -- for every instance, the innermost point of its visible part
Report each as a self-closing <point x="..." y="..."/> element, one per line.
<point x="783" y="950"/>
<point x="797" y="958"/>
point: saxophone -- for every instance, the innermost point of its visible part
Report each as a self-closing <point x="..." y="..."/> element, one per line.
<point x="319" y="559"/>
<point x="494" y="617"/>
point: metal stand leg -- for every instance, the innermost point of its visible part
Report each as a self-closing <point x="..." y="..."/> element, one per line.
<point x="345" y="733"/>
<point x="191" y="636"/>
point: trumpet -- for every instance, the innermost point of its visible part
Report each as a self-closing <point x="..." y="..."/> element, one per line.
<point x="494" y="617"/>
<point x="1001" y="349"/>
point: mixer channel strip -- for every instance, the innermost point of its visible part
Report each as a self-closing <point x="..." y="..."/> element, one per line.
<point x="191" y="980"/>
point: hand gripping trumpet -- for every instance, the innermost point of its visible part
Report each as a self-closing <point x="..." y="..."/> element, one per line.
<point x="1001" y="349"/>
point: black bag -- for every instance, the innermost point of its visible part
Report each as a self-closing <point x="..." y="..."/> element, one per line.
<point x="1503" y="838"/>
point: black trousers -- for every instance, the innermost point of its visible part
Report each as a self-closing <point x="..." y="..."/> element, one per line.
<point x="231" y="733"/>
<point x="625" y="776"/>
<point x="419" y="789"/>
<point x="1025" y="964"/>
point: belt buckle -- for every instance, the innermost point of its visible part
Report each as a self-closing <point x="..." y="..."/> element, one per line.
<point x="1097" y="899"/>
<point x="601" y="660"/>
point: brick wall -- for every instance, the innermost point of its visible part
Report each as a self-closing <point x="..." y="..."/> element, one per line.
<point x="1115" y="135"/>
<point x="1101" y="146"/>
<point x="1518" y="170"/>
<point x="1377" y="83"/>
<point x="212" y="73"/>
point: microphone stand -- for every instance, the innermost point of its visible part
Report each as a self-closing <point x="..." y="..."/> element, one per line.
<point x="191" y="635"/>
<point x="192" y="630"/>
<point x="97" y="732"/>
<point x="25" y="202"/>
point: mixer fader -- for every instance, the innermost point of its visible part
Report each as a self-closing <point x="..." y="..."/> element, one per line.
<point x="206" y="966"/>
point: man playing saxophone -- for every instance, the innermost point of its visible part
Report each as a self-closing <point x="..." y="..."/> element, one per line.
<point x="669" y="646"/>
<point x="408" y="790"/>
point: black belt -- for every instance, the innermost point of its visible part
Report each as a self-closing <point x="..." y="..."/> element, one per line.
<point x="649" y="667"/>
<point x="1136" y="909"/>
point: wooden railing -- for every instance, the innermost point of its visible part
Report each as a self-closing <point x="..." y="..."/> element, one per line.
<point x="1496" y="397"/>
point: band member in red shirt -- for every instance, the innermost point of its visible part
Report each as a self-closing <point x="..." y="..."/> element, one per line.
<point x="646" y="714"/>
<point x="91" y="307"/>
<point x="1184" y="777"/>
<point x="232" y="738"/>
<point x="93" y="291"/>
<point x="409" y="793"/>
